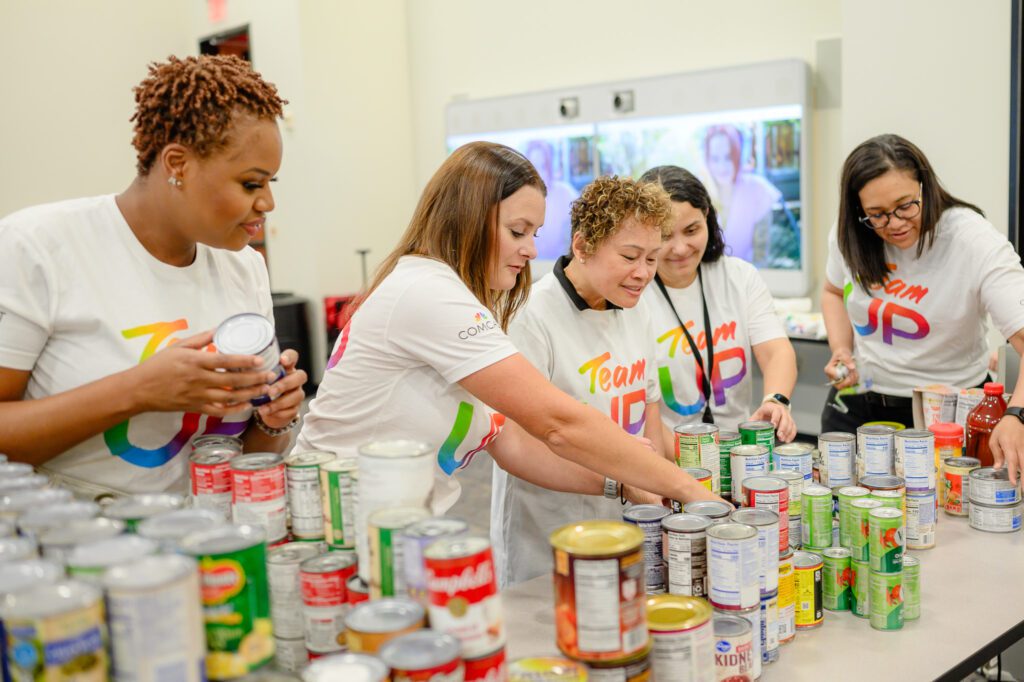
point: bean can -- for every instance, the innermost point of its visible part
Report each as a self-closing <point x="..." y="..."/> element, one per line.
<point x="648" y="518"/>
<point x="955" y="484"/>
<point x="682" y="634"/>
<point x="816" y="523"/>
<point x="734" y="648"/>
<point x="727" y="440"/>
<point x="684" y="542"/>
<point x="886" y="601"/>
<point x="753" y="617"/>
<point x="911" y="588"/>
<point x="787" y="599"/>
<point x="696" y="445"/>
<point x="748" y="460"/>
<point x="305" y="503"/>
<point x="464" y="598"/>
<point x="838" y="458"/>
<point x="836" y="578"/>
<point x="759" y="433"/>
<point x="258" y="494"/>
<point x="807" y="567"/>
<point x="915" y="458"/>
<point x="1004" y="518"/>
<point x="886" y="543"/>
<point x="992" y="486"/>
<point x="733" y="566"/>
<point x="860" y="592"/>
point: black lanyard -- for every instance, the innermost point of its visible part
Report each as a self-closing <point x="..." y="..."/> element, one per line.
<point x="708" y="418"/>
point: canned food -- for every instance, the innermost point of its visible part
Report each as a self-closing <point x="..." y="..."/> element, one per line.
<point x="954" y="484"/>
<point x="816" y="523"/>
<point x="648" y="518"/>
<point x="894" y="499"/>
<point x="415" y="539"/>
<point x="322" y="580"/>
<point x="911" y="588"/>
<point x="156" y="626"/>
<point x="796" y="484"/>
<point x="217" y="439"/>
<point x="356" y="590"/>
<point x="339" y="483"/>
<point x="747" y="461"/>
<point x="717" y="511"/>
<point x="27" y="482"/>
<point x="875" y="450"/>
<point x="405" y="469"/>
<point x="921" y="511"/>
<point x="387" y="563"/>
<point x="734" y="648"/>
<point x="787" y="599"/>
<point x="251" y="334"/>
<point x="769" y="628"/>
<point x="734" y="563"/>
<point x="886" y="542"/>
<point x="283" y="564"/>
<point x="19" y="576"/>
<point x="346" y="667"/>
<point x="209" y="470"/>
<point x="290" y="654"/>
<point x="875" y="483"/>
<point x="807" y="567"/>
<point x="838" y="457"/>
<point x="34" y="522"/>
<point x="683" y="642"/>
<point x="702" y="476"/>
<point x="464" y="598"/>
<point x="753" y="616"/>
<point x="546" y="669"/>
<point x="836" y="578"/>
<point x="860" y="588"/>
<point x="168" y="529"/>
<point x="886" y="600"/>
<point x="697" y="447"/>
<point x="235" y="597"/>
<point x="57" y="542"/>
<point x="369" y="626"/>
<point x="305" y="506"/>
<point x="767" y="524"/>
<point x="860" y="529"/>
<point x="258" y="494"/>
<point x="796" y="532"/>
<point x="16" y="502"/>
<point x="56" y="631"/>
<point x="759" y="433"/>
<point x="636" y="668"/>
<point x="684" y="543"/>
<point x="88" y="562"/>
<point x="771" y="493"/>
<point x="599" y="596"/>
<point x="794" y="457"/>
<point x="915" y="458"/>
<point x="847" y="518"/>
<point x="423" y="656"/>
<point x="487" y="668"/>
<point x="727" y="440"/>
<point x="136" y="508"/>
<point x="17" y="549"/>
<point x="992" y="486"/>
<point x="1004" y="518"/>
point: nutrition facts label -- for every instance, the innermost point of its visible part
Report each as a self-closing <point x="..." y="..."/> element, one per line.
<point x="597" y="604"/>
<point x="687" y="563"/>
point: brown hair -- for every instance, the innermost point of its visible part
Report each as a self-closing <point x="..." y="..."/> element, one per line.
<point x="606" y="202"/>
<point x="456" y="221"/>
<point x="862" y="249"/>
<point x="194" y="101"/>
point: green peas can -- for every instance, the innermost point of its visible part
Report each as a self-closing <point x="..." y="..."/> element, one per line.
<point x="759" y="433"/>
<point x="860" y="584"/>
<point x="816" y="526"/>
<point x="911" y="588"/>
<point x="885" y="545"/>
<point x="886" y="601"/>
<point x="726" y="441"/>
<point x="860" y="531"/>
<point x="836" y="578"/>
<point x="847" y="494"/>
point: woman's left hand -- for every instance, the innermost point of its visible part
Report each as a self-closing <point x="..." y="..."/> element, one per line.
<point x="283" y="408"/>
<point x="1007" y="446"/>
<point x="780" y="418"/>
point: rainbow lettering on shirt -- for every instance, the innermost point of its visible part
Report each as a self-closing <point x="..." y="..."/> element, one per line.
<point x="606" y="379"/>
<point x="719" y="383"/>
<point x="116" y="438"/>
<point x="446" y="455"/>
<point x="895" y="317"/>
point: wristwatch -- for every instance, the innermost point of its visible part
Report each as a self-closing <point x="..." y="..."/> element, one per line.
<point x="1017" y="412"/>
<point x="776" y="398"/>
<point x="611" y="489"/>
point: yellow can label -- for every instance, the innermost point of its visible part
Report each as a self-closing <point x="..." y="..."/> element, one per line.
<point x="808" y="597"/>
<point x="787" y="583"/>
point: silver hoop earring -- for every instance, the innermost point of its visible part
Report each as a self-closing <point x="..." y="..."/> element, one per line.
<point x="173" y="181"/>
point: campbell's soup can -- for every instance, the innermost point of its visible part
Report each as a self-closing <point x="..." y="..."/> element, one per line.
<point x="490" y="667"/>
<point x="415" y="540"/>
<point x="464" y="598"/>
<point x="356" y="590"/>
<point x="258" y="493"/>
<point x="683" y="641"/>
<point x="424" y="656"/>
<point x="734" y="649"/>
<point x="599" y="590"/>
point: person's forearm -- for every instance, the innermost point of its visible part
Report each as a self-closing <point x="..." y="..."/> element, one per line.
<point x="254" y="440"/>
<point x="837" y="323"/>
<point x="525" y="457"/>
<point x="777" y="361"/>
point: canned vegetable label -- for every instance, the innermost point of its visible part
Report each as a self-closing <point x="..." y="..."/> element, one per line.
<point x="886" y="601"/>
<point x="816" y="525"/>
<point x="911" y="588"/>
<point x="807" y="568"/>
<point x="886" y="542"/>
<point x="836" y="579"/>
<point x="860" y="582"/>
<point x="758" y="433"/>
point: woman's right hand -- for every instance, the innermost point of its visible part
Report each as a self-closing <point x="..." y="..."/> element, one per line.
<point x="185" y="377"/>
<point x="842" y="357"/>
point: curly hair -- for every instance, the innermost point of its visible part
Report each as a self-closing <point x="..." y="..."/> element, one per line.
<point x="609" y="200"/>
<point x="194" y="101"/>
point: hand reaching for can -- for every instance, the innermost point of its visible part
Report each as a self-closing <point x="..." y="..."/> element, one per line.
<point x="1007" y="446"/>
<point x="841" y="369"/>
<point x="286" y="395"/>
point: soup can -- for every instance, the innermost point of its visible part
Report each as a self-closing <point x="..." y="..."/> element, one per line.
<point x="794" y="457"/>
<point x="251" y="334"/>
<point x="734" y="562"/>
<point x="753" y="616"/>
<point x="305" y="506"/>
<point x="134" y="509"/>
<point x="424" y="656"/>
<point x="771" y="493"/>
<point x="648" y="518"/>
<point x="683" y="641"/>
<point x="992" y="486"/>
<point x="747" y="461"/>
<point x="323" y="580"/>
<point x="356" y="590"/>
<point x="696" y="445"/>
<point x="838" y="457"/>
<point x="209" y="468"/>
<point x="218" y="439"/>
<point x="875" y="446"/>
<point x="807" y="568"/>
<point x="767" y="524"/>
<point x="734" y="648"/>
<point x="415" y="540"/>
<point x="769" y="628"/>
<point x="387" y="562"/>
<point x="684" y="542"/>
<point x="339" y="484"/>
<point x="258" y="494"/>
<point x="371" y="625"/>
<point x="955" y="484"/>
<point x="487" y="667"/>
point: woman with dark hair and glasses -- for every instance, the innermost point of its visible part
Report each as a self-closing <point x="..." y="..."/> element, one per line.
<point x="711" y="312"/>
<point x="912" y="273"/>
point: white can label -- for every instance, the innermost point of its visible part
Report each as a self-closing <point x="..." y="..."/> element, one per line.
<point x="733" y="572"/>
<point x="876" y="454"/>
<point x="995" y="519"/>
<point x="915" y="462"/>
<point x="993" y="492"/>
<point x="259" y="499"/>
<point x="684" y="654"/>
<point x="324" y="626"/>
<point x="921" y="521"/>
<point x="768" y="549"/>
<point x="746" y="466"/>
<point x="769" y="626"/>
<point x="285" y="600"/>
<point x="304" y="502"/>
<point x="838" y="459"/>
<point x="687" y="559"/>
<point x="596" y="584"/>
<point x="801" y="464"/>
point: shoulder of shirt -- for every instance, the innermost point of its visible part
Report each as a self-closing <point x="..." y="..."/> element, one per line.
<point x="962" y="223"/>
<point x="546" y="297"/>
<point x="49" y="224"/>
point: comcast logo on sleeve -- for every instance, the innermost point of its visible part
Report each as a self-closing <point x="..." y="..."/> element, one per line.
<point x="482" y="323"/>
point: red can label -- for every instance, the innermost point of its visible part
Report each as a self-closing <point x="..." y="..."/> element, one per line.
<point x="956" y="495"/>
<point x="265" y="485"/>
<point x="452" y="671"/>
<point x="490" y="668"/>
<point x="210" y="479"/>
<point x="326" y="589"/>
<point x="778" y="502"/>
<point x="464" y="601"/>
<point x="356" y="591"/>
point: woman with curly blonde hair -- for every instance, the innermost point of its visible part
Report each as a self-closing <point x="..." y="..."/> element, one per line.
<point x="107" y="303"/>
<point x="588" y="331"/>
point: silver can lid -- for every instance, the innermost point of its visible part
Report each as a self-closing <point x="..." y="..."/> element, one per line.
<point x="222" y="539"/>
<point x="257" y="461"/>
<point x="148" y="572"/>
<point x="313" y="458"/>
<point x="328" y="563"/>
<point x="436" y="527"/>
<point x="456" y="547"/>
<point x="686" y="523"/>
<point x="771" y="483"/>
<point x="915" y="433"/>
<point x="292" y="553"/>
<point x="142" y="506"/>
<point x="732" y="531"/>
<point x="710" y="508"/>
<point x="80" y="531"/>
<point x="16" y="549"/>
<point x="876" y="430"/>
<point x="50" y="599"/>
<point x="420" y="650"/>
<point x="698" y="429"/>
<point x="385" y="615"/>
<point x="753" y="516"/>
<point x="803" y="559"/>
<point x="730" y="626"/>
<point x="837" y="437"/>
<point x="837" y="553"/>
<point x="756" y="426"/>
<point x="793" y="449"/>
<point x="853" y="491"/>
<point x="641" y="513"/>
<point x="882" y="482"/>
<point x="749" y="450"/>
<point x="16" y="502"/>
<point x="110" y="551"/>
<point x="17" y="576"/>
<point x="244" y="334"/>
<point x="176" y="524"/>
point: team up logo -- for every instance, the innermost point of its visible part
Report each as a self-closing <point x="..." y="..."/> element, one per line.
<point x="722" y="379"/>
<point x="895" y="319"/>
<point x="482" y="323"/>
<point x="608" y="378"/>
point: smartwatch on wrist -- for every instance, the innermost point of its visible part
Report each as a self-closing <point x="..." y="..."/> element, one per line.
<point x="776" y="398"/>
<point x="1017" y="412"/>
<point x="611" y="489"/>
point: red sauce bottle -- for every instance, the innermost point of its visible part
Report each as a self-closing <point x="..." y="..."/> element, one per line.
<point x="980" y="422"/>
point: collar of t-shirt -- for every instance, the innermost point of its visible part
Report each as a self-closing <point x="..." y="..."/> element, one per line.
<point x="570" y="289"/>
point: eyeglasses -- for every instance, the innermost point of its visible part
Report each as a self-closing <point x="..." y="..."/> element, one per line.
<point x="911" y="209"/>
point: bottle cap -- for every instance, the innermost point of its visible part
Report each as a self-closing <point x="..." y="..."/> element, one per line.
<point x="947" y="430"/>
<point x="993" y="388"/>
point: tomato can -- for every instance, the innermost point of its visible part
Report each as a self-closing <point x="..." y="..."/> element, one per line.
<point x="697" y="447"/>
<point x="258" y="493"/>
<point x="747" y="461"/>
<point x="734" y="649"/>
<point x="648" y="518"/>
<point x="599" y="590"/>
<point x="684" y="542"/>
<point x="682" y="635"/>
<point x="283" y="570"/>
<point x="305" y="506"/>
<point x="992" y="486"/>
<point x="727" y="440"/>
<point x="209" y="472"/>
<point x="767" y="524"/>
<point x="955" y="484"/>
<point x="387" y="563"/>
<point x="322" y="580"/>
<point x="370" y="625"/>
<point x="787" y="599"/>
<point x="860" y="588"/>
<point x="911" y="588"/>
<point x="636" y="668"/>
<point x="772" y="493"/>
<point x="546" y="669"/>
<point x="838" y="458"/>
<point x="339" y="489"/>
<point x="922" y="508"/>
<point x="423" y="656"/>
<point x="487" y="668"/>
<point x="886" y="601"/>
<point x="807" y="567"/>
<point x="415" y="540"/>
<point x="1003" y="518"/>
<point x="734" y="562"/>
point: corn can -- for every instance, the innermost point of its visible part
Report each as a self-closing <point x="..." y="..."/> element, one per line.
<point x="682" y="634"/>
<point x="886" y="600"/>
<point x="886" y="543"/>
<point x="807" y="567"/>
<point x="911" y="588"/>
<point x="860" y="592"/>
<point x="955" y="484"/>
<point x="697" y="446"/>
<point x="836" y="577"/>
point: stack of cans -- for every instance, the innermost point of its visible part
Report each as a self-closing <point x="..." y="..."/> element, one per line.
<point x="727" y="440"/>
<point x="735" y="561"/>
<point x="885" y="581"/>
<point x="995" y="504"/>
<point x="914" y="462"/>
<point x="955" y="484"/>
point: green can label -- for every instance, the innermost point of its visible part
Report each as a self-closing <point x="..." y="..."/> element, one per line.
<point x="860" y="588"/>
<point x="759" y="433"/>
<point x="911" y="590"/>
<point x="860" y="528"/>
<point x="236" y="609"/>
<point x="817" y="519"/>
<point x="385" y="557"/>
<point x="725" y="464"/>
<point x="338" y="494"/>
<point x="886" y="542"/>
<point x="837" y="576"/>
<point x="846" y="520"/>
<point x="886" y="601"/>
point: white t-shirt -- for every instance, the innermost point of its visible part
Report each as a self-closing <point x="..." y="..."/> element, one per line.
<point x="603" y="358"/>
<point x="81" y="299"/>
<point x="395" y="370"/>
<point x="927" y="325"/>
<point x="742" y="315"/>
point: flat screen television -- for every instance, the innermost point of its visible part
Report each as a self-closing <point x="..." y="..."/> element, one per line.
<point x="743" y="131"/>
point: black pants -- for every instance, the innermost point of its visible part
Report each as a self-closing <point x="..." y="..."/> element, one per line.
<point x="866" y="407"/>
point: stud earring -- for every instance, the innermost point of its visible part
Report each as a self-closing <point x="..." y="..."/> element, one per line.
<point x="173" y="181"/>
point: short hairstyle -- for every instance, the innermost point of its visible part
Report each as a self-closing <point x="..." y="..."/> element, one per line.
<point x="683" y="186"/>
<point x="194" y="102"/>
<point x="606" y="202"/>
<point x="456" y="221"/>
<point x="862" y="249"/>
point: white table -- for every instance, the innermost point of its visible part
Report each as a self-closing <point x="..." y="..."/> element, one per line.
<point x="972" y="607"/>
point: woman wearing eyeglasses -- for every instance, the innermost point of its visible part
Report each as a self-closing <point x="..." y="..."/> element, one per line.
<point x="912" y="273"/>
